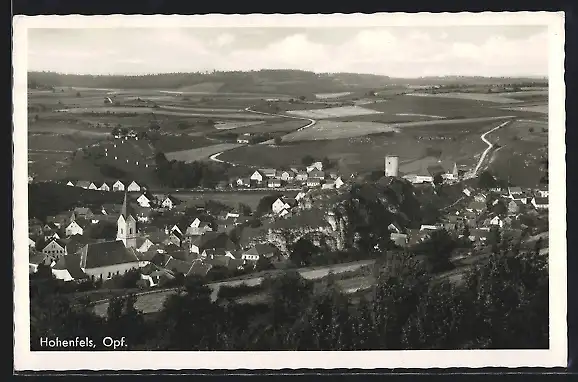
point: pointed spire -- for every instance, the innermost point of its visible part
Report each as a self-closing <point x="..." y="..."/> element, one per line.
<point x="125" y="211"/>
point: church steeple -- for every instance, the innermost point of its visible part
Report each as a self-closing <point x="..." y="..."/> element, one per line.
<point x="126" y="225"/>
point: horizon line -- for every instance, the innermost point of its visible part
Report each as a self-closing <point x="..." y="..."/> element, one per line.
<point x="214" y="71"/>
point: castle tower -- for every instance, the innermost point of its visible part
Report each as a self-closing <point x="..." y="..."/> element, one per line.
<point x="126" y="225"/>
<point x="391" y="165"/>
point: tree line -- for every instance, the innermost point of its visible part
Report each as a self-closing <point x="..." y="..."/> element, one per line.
<point x="179" y="174"/>
<point x="502" y="303"/>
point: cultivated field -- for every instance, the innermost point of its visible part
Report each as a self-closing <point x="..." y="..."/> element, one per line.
<point x="200" y="153"/>
<point x="337" y="130"/>
<point x="331" y="95"/>
<point x="542" y="109"/>
<point x="235" y="125"/>
<point x="160" y="111"/>
<point x="232" y="199"/>
<point x="488" y="97"/>
<point x="332" y="112"/>
<point x="324" y="130"/>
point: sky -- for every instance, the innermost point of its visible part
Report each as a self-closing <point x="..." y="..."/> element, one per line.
<point x="393" y="51"/>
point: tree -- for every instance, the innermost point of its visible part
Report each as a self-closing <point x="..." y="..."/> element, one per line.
<point x="302" y="98"/>
<point x="78" y="94"/>
<point x="278" y="140"/>
<point x="302" y="252"/>
<point x="327" y="164"/>
<point x="486" y="180"/>
<point x="437" y="250"/>
<point x="307" y="160"/>
<point x="245" y="209"/>
<point x="438" y="179"/>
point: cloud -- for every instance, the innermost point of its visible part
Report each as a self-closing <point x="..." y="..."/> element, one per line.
<point x="401" y="52"/>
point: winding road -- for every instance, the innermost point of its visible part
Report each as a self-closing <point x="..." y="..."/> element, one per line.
<point x="487" y="150"/>
<point x="215" y="157"/>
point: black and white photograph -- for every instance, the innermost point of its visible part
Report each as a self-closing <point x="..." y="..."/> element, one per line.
<point x="243" y="190"/>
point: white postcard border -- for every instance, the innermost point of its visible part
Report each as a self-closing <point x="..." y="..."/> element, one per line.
<point x="24" y="359"/>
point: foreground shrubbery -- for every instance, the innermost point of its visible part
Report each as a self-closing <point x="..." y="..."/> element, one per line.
<point x="502" y="303"/>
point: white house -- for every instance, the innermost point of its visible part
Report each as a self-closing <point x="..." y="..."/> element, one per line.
<point x="287" y="175"/>
<point x="540" y="203"/>
<point x="133" y="187"/>
<point x="315" y="166"/>
<point x="74" y="229"/>
<point x="143" y="201"/>
<point x="104" y="187"/>
<point x="468" y="191"/>
<point x="168" y="203"/>
<point x="278" y="206"/>
<point x="92" y="186"/>
<point x="257" y="176"/>
<point x="427" y="227"/>
<point x="329" y="185"/>
<point x="118" y="186"/>
<point x="31" y="243"/>
<point x="268" y="172"/>
<point x="143" y="244"/>
<point x="284" y="212"/>
<point x="300" y="195"/>
<point x="497" y="221"/>
<point x="542" y="192"/>
<point x="339" y="182"/>
<point x="393" y="228"/>
<point x="70" y="183"/>
<point x="419" y="178"/>
<point x="55" y="249"/>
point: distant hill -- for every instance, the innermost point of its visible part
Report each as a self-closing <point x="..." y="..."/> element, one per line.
<point x="290" y="82"/>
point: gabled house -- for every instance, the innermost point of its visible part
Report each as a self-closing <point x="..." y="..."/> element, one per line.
<point x="338" y="182"/>
<point x="133" y="187"/>
<point x="514" y="192"/>
<point x="287" y="175"/>
<point x="70" y="183"/>
<point x="31" y="243"/>
<point x="143" y="244"/>
<point x="259" y="251"/>
<point x="37" y="258"/>
<point x="118" y="186"/>
<point x="143" y="201"/>
<point x="76" y="227"/>
<point x="279" y="205"/>
<point x="315" y="166"/>
<point x="496" y="221"/>
<point x="104" y="187"/>
<point x="540" y="203"/>
<point x="300" y="195"/>
<point x="329" y="185"/>
<point x="394" y="228"/>
<point x="257" y="176"/>
<point x="55" y="248"/>
<point x="92" y="186"/>
<point x="107" y="259"/>
<point x="169" y="202"/>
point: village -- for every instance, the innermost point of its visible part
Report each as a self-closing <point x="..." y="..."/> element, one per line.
<point x="163" y="238"/>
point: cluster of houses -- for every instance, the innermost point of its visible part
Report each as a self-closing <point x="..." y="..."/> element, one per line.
<point x="117" y="186"/>
<point x="192" y="245"/>
<point x="311" y="176"/>
<point x="428" y="170"/>
<point x="478" y="216"/>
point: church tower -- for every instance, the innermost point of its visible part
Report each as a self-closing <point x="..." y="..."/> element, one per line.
<point x="126" y="225"/>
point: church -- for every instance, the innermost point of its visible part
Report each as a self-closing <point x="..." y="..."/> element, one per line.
<point x="126" y="229"/>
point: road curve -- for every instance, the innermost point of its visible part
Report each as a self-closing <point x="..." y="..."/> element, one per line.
<point x="215" y="157"/>
<point x="150" y="302"/>
<point x="490" y="145"/>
